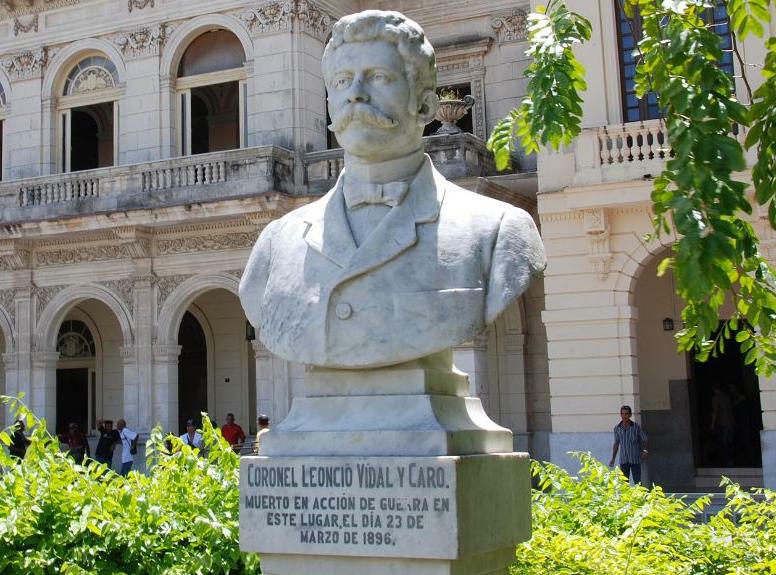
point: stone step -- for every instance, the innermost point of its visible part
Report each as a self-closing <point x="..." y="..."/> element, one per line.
<point x="709" y="477"/>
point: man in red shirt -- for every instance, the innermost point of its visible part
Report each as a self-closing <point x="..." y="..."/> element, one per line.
<point x="233" y="433"/>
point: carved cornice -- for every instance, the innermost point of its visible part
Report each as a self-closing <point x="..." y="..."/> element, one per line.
<point x="25" y="65"/>
<point x="139" y="4"/>
<point x="22" y="28"/>
<point x="81" y="254"/>
<point x="512" y="27"/>
<point x="14" y="255"/>
<point x="165" y="285"/>
<point x="142" y="42"/>
<point x="286" y="16"/>
<point x="136" y="241"/>
<point x="16" y="8"/>
<point x="205" y="243"/>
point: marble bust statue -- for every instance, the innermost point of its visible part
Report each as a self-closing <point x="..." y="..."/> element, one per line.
<point x="395" y="263"/>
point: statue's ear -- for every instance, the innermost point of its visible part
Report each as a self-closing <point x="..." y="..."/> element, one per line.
<point x="427" y="106"/>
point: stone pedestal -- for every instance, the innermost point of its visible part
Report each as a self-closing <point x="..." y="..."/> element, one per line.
<point x="386" y="471"/>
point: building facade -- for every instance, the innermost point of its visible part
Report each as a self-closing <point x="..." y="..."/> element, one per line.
<point x="146" y="143"/>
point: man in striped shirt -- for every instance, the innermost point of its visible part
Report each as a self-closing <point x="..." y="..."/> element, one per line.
<point x="631" y="440"/>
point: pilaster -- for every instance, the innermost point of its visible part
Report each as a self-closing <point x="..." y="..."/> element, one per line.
<point x="144" y="325"/>
<point x="43" y="400"/>
<point x="165" y="392"/>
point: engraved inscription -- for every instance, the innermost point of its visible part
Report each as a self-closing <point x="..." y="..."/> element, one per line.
<point x="336" y="505"/>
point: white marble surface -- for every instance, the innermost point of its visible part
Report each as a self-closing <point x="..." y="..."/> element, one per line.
<point x="330" y="286"/>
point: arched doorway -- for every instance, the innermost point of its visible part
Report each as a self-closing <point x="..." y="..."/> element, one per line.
<point x="677" y="398"/>
<point x="211" y="94"/>
<point x="216" y="366"/>
<point x="192" y="371"/>
<point x="90" y="368"/>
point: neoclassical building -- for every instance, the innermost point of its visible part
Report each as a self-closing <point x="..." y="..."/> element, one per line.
<point x="146" y="143"/>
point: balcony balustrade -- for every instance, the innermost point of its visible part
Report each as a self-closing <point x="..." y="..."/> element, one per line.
<point x="621" y="152"/>
<point x="207" y="178"/>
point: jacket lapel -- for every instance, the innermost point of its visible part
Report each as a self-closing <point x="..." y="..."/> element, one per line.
<point x="328" y="231"/>
<point x="397" y="231"/>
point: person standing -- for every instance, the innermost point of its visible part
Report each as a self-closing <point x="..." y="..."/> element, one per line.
<point x="19" y="441"/>
<point x="233" y="433"/>
<point x="77" y="444"/>
<point x="192" y="437"/>
<point x="108" y="438"/>
<point x="128" y="446"/>
<point x="632" y="443"/>
<point x="263" y="421"/>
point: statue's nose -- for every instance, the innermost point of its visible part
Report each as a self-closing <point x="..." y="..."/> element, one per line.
<point x="357" y="92"/>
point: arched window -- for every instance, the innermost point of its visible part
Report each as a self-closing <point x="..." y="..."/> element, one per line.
<point x="211" y="88"/>
<point x="88" y="112"/>
<point x="75" y="341"/>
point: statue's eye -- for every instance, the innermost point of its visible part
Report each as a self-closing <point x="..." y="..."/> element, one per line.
<point x="342" y="82"/>
<point x="380" y="78"/>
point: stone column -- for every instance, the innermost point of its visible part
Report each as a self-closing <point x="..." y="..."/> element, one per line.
<point x="768" y="433"/>
<point x="165" y="392"/>
<point x="10" y="365"/>
<point x="273" y="383"/>
<point x="144" y="302"/>
<point x="593" y="371"/>
<point x="130" y="386"/>
<point x="472" y="359"/>
<point x="43" y="400"/>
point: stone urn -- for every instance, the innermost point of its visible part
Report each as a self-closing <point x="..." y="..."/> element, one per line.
<point x="449" y="112"/>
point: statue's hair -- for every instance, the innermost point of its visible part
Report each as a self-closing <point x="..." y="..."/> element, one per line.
<point x="393" y="27"/>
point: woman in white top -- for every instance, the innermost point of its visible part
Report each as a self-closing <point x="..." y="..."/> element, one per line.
<point x="192" y="437"/>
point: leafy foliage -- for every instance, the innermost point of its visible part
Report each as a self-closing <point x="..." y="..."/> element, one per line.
<point x="555" y="72"/>
<point x="60" y="517"/>
<point x="598" y="524"/>
<point x="702" y="193"/>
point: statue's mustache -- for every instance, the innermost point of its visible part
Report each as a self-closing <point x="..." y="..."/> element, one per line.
<point x="364" y="113"/>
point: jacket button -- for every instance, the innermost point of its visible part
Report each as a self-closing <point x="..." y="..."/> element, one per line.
<point x="343" y="310"/>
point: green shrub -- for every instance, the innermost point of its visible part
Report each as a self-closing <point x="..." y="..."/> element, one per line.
<point x="182" y="518"/>
<point x="598" y="524"/>
<point x="60" y="517"/>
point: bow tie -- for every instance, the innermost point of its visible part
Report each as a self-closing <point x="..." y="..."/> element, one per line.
<point x="359" y="194"/>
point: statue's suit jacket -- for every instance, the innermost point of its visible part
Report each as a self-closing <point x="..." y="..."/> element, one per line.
<point x="439" y="267"/>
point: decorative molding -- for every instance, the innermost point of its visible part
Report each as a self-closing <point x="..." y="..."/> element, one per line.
<point x="136" y="241"/>
<point x="125" y="289"/>
<point x="92" y="79"/>
<point x="269" y="18"/>
<point x="16" y="8"/>
<point x="286" y="16"/>
<point x="142" y="42"/>
<point x="25" y="65"/>
<point x="139" y="4"/>
<point x="81" y="254"/>
<point x="43" y="295"/>
<point x="599" y="249"/>
<point x="512" y="27"/>
<point x="166" y="352"/>
<point x="236" y="273"/>
<point x="312" y="19"/>
<point x="7" y="302"/>
<point x="30" y="26"/>
<point x="205" y="243"/>
<point x="165" y="285"/>
<point x="559" y="217"/>
<point x="15" y="255"/>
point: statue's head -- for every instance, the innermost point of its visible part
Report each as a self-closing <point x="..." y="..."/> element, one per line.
<point x="380" y="73"/>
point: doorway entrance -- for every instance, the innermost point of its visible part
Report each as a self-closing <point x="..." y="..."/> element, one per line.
<point x="727" y="416"/>
<point x="192" y="371"/>
<point x="72" y="398"/>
